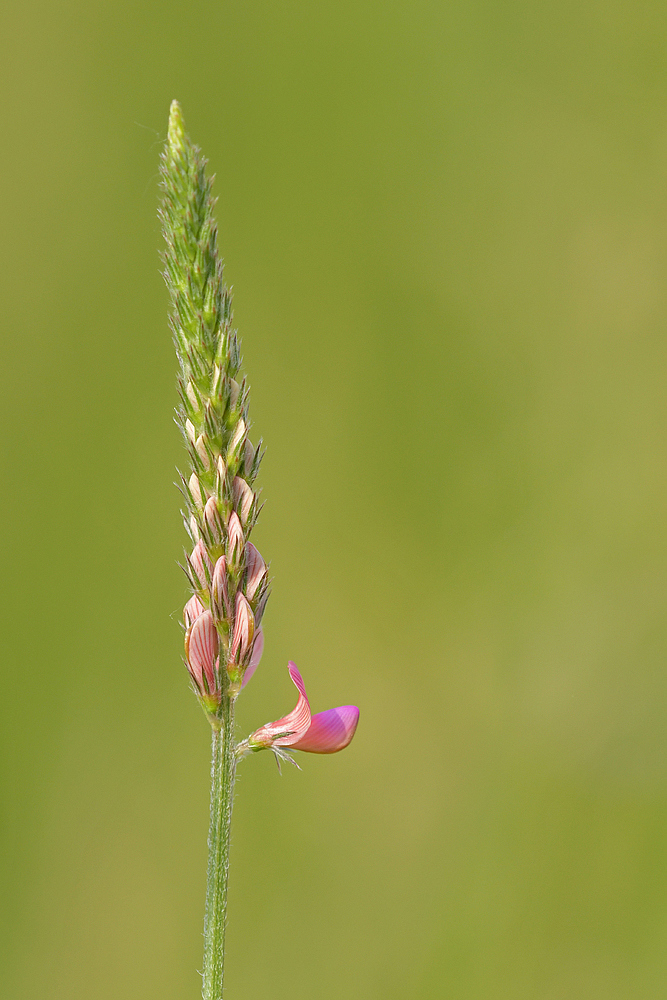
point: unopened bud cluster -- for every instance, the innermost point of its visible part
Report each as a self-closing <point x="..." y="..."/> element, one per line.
<point x="228" y="577"/>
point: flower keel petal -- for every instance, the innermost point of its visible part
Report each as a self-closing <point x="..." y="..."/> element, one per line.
<point x="329" y="731"/>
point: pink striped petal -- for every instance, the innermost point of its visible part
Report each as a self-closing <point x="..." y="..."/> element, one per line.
<point x="255" y="657"/>
<point x="330" y="731"/>
<point x="192" y="610"/>
<point x="244" y="628"/>
<point x="198" y="560"/>
<point x="213" y="520"/>
<point x="288" y="730"/>
<point x="201" y="650"/>
<point x="255" y="570"/>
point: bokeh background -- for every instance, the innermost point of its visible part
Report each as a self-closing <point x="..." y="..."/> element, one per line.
<point x="446" y="227"/>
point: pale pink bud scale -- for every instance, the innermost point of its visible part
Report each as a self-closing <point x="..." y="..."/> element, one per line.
<point x="234" y="535"/>
<point x="213" y="519"/>
<point x="192" y="395"/>
<point x="200" y="445"/>
<point x="243" y="497"/>
<point x="244" y="628"/>
<point x="219" y="594"/>
<point x="237" y="436"/>
<point x="198" y="560"/>
<point x="248" y="455"/>
<point x="255" y="570"/>
<point x="192" y="610"/>
<point x="196" y="491"/>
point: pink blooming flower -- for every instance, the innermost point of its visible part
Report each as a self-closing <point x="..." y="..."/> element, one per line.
<point x="326" y="732"/>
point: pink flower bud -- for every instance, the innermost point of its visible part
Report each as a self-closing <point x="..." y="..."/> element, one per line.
<point x="201" y="653"/>
<point x="201" y="564"/>
<point x="237" y="436"/>
<point x="243" y="497"/>
<point x="219" y="593"/>
<point x="255" y="570"/>
<point x="196" y="492"/>
<point x="192" y="610"/>
<point x="244" y="629"/>
<point x="200" y="446"/>
<point x="192" y="395"/>
<point x="213" y="520"/>
<point x="234" y="389"/>
<point x="248" y="455"/>
<point x="234" y="537"/>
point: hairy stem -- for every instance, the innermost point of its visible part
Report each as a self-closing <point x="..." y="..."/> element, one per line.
<point x="223" y="770"/>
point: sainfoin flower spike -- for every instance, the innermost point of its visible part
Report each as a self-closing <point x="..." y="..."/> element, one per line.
<point x="228" y="578"/>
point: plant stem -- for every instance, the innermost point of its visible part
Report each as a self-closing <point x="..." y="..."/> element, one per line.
<point x="223" y="771"/>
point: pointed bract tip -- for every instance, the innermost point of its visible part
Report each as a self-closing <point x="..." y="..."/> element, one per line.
<point x="176" y="130"/>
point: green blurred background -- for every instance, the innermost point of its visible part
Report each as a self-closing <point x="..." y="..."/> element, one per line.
<point x="446" y="224"/>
